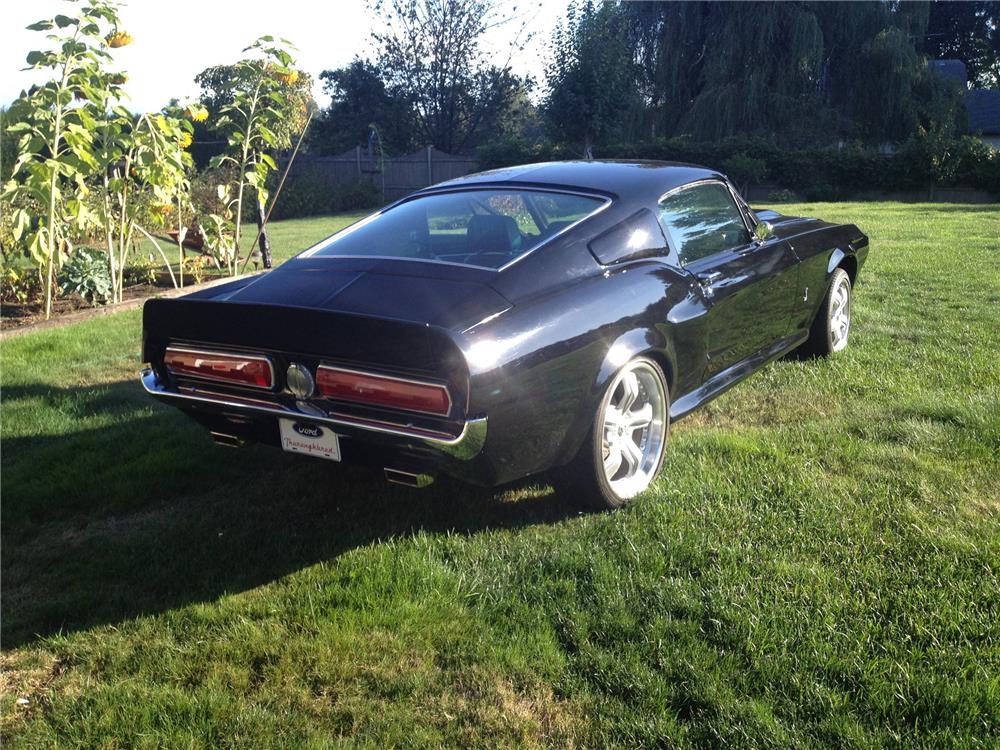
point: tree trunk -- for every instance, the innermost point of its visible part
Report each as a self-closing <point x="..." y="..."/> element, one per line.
<point x="265" y="243"/>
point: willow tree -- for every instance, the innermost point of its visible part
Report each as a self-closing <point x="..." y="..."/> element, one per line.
<point x="796" y="69"/>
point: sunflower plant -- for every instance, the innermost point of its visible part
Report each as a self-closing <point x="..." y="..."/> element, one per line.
<point x="55" y="129"/>
<point x="252" y="122"/>
<point x="145" y="172"/>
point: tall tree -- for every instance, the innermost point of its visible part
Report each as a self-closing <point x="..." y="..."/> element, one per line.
<point x="798" y="69"/>
<point x="591" y="82"/>
<point x="431" y="55"/>
<point x="970" y="32"/>
<point x="359" y="98"/>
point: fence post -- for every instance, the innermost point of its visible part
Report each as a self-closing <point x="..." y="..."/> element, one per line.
<point x="430" y="166"/>
<point x="357" y="158"/>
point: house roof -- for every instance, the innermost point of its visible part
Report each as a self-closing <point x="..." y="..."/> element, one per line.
<point x="982" y="107"/>
<point x="953" y="70"/>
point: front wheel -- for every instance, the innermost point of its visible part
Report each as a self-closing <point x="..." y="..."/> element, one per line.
<point x="832" y="325"/>
<point x="623" y="451"/>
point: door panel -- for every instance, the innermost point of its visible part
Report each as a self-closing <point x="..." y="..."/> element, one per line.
<point x="749" y="286"/>
<point x="751" y="292"/>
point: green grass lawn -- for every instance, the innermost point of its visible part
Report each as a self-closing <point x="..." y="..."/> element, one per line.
<point x="287" y="239"/>
<point x="819" y="564"/>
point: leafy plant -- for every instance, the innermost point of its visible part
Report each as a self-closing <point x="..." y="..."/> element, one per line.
<point x="195" y="266"/>
<point x="55" y="126"/>
<point x="251" y="121"/>
<point x="19" y="285"/>
<point x="88" y="275"/>
<point x="744" y="169"/>
<point x="141" y="270"/>
<point x="780" y="196"/>
<point x="143" y="173"/>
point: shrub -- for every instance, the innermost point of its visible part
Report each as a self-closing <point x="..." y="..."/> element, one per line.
<point x="19" y="284"/>
<point x="309" y="192"/>
<point x="141" y="270"/>
<point x="826" y="172"/>
<point x="356" y="196"/>
<point x="744" y="169"/>
<point x="781" y="196"/>
<point x="195" y="266"/>
<point x="86" y="273"/>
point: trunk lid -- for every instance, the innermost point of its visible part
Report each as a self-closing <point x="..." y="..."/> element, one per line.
<point x="447" y="296"/>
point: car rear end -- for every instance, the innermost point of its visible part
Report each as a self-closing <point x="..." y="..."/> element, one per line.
<point x="325" y="383"/>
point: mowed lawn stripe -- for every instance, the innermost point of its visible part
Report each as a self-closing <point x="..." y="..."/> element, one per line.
<point x="818" y="565"/>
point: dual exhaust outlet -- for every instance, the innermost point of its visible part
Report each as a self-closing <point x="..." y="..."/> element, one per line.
<point x="395" y="476"/>
<point x="408" y="478"/>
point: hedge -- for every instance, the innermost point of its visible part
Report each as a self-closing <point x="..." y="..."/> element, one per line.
<point x="309" y="193"/>
<point x="816" y="173"/>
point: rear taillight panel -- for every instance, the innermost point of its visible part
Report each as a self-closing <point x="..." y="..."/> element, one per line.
<point x="383" y="390"/>
<point x="234" y="369"/>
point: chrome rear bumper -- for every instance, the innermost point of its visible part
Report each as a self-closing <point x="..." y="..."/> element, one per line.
<point x="465" y="446"/>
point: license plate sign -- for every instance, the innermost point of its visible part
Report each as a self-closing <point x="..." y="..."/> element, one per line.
<point x="300" y="436"/>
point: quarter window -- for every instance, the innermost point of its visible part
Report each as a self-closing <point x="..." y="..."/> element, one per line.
<point x="703" y="220"/>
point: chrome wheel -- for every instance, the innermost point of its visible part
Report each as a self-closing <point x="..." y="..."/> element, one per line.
<point x="840" y="313"/>
<point x="634" y="429"/>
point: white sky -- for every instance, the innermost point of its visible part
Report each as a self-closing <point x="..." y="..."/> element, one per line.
<point x="177" y="39"/>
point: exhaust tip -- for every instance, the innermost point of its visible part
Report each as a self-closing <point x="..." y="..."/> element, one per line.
<point x="228" y="441"/>
<point x="408" y="478"/>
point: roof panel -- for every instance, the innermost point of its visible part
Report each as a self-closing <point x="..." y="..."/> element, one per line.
<point x="626" y="179"/>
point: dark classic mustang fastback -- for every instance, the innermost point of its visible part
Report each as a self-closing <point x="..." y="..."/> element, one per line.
<point x="546" y="317"/>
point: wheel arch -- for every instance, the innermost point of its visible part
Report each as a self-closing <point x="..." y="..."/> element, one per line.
<point x="651" y="342"/>
<point x="840" y="259"/>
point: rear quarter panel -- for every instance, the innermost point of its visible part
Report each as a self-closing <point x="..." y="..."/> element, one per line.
<point x="539" y="369"/>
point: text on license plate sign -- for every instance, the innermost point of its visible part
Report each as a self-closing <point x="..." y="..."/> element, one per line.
<point x="298" y="436"/>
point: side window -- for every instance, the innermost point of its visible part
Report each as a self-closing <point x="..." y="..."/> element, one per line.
<point x="703" y="220"/>
<point x="513" y="205"/>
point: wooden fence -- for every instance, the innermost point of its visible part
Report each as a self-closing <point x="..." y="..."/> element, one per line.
<point x="395" y="176"/>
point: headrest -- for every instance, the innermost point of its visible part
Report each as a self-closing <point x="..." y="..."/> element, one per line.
<point x="492" y="233"/>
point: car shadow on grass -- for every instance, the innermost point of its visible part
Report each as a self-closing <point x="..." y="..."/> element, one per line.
<point x="143" y="514"/>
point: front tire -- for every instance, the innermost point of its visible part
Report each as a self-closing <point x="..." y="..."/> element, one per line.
<point x="832" y="326"/>
<point x="624" y="449"/>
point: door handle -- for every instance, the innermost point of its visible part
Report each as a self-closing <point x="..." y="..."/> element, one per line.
<point x="707" y="278"/>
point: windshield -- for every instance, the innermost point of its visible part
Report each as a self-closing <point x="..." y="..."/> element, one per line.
<point x="488" y="228"/>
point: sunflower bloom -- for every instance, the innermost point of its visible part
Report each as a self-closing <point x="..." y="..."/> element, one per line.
<point x="118" y="39"/>
<point x="185" y="140"/>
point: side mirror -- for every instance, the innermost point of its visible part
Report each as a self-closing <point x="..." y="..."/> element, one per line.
<point x="763" y="231"/>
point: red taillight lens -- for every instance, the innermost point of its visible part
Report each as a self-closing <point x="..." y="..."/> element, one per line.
<point x="225" y="368"/>
<point x="379" y="390"/>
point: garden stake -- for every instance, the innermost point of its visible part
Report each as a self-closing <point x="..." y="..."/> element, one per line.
<point x="281" y="184"/>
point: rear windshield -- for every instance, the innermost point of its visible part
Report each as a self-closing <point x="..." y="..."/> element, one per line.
<point x="488" y="228"/>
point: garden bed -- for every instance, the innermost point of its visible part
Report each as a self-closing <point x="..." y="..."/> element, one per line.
<point x="18" y="315"/>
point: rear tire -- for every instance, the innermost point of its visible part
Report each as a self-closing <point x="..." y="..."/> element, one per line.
<point x="832" y="326"/>
<point x="624" y="448"/>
